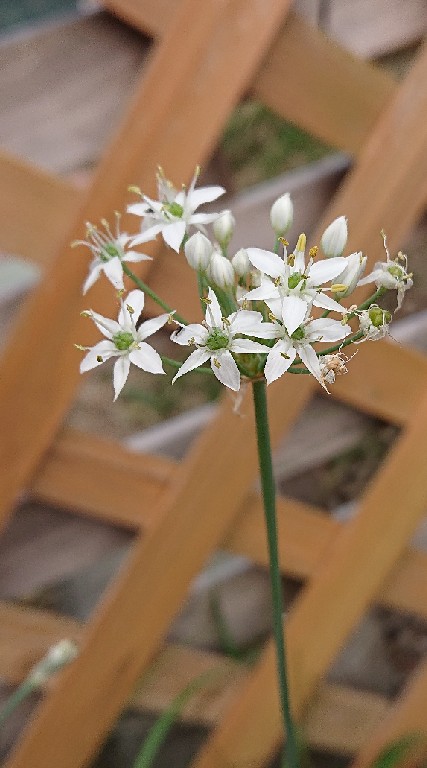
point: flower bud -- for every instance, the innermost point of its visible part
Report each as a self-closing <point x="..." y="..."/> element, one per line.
<point x="334" y="238"/>
<point x="346" y="282"/>
<point x="57" y="657"/>
<point x="223" y="228"/>
<point x="221" y="271"/>
<point x="241" y="263"/>
<point x="282" y="214"/>
<point x="198" y="251"/>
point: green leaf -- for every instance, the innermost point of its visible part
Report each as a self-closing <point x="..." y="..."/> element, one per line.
<point x="395" y="754"/>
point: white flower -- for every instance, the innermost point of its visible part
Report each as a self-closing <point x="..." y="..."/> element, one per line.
<point x="217" y="338"/>
<point x="391" y="274"/>
<point x="109" y="252"/>
<point x="174" y="212"/>
<point x="241" y="263"/>
<point x="198" y="251"/>
<point x="283" y="354"/>
<point x="334" y="238"/>
<point x="223" y="228"/>
<point x="125" y="341"/>
<point x="374" y="323"/>
<point x="282" y="214"/>
<point x="346" y="281"/>
<point x="57" y="657"/>
<point x="221" y="271"/>
<point x="289" y="287"/>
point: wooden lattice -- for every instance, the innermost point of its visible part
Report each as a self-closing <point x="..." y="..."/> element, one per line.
<point x="199" y="70"/>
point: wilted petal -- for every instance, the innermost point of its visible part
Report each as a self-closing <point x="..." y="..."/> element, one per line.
<point x="197" y="358"/>
<point x="278" y="361"/>
<point x="227" y="371"/>
<point x="294" y="311"/>
<point x="173" y="234"/>
<point x="269" y="263"/>
<point x="147" y="358"/>
<point x="121" y="372"/>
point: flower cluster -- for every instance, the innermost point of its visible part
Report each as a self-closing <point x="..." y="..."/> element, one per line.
<point x="266" y="312"/>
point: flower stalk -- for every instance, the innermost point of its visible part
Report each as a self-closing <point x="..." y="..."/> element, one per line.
<point x="269" y="501"/>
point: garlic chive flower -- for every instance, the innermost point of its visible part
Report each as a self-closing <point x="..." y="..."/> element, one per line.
<point x="391" y="274"/>
<point x="217" y="339"/>
<point x="289" y="287"/>
<point x="125" y="341"/>
<point x="109" y="251"/>
<point x="282" y="214"/>
<point x="334" y="238"/>
<point x="174" y="212"/>
<point x="300" y="342"/>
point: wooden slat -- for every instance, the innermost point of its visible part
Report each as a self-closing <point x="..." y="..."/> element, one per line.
<point x="338" y="718"/>
<point x="343" y="96"/>
<point x="407" y="718"/>
<point x="36" y="209"/>
<point x="391" y="168"/>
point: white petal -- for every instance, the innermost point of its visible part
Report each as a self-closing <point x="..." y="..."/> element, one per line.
<point x="146" y="235"/>
<point x="325" y="302"/>
<point x="198" y="357"/>
<point x="107" y="326"/>
<point x="243" y="346"/>
<point x="311" y="361"/>
<point x="134" y="256"/>
<point x="227" y="372"/>
<point x="213" y="311"/>
<point x="114" y="271"/>
<point x="202" y="218"/>
<point x="294" y="311"/>
<point x="151" y="326"/>
<point x="275" y="307"/>
<point x="244" y="321"/>
<point x="195" y="331"/>
<point x="173" y="234"/>
<point x="136" y="300"/>
<point x="104" y="349"/>
<point x="203" y="195"/>
<point x="93" y="275"/>
<point x="267" y="262"/>
<point x="121" y="372"/>
<point x="266" y="290"/>
<point x="325" y="270"/>
<point x="371" y="278"/>
<point x="139" y="209"/>
<point x="277" y="364"/>
<point x="325" y="329"/>
<point x="147" y="358"/>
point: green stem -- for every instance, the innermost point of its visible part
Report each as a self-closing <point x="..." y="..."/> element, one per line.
<point x="15" y="699"/>
<point x="269" y="500"/>
<point x="144" y="287"/>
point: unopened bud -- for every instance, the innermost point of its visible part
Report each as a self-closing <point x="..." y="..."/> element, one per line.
<point x="223" y="228"/>
<point x="282" y="214"/>
<point x="346" y="282"/>
<point x="334" y="238"/>
<point x="198" y="251"/>
<point x="241" y="263"/>
<point x="221" y="271"/>
<point x="57" y="657"/>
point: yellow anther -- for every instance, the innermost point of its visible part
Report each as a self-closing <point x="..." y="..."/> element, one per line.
<point x="130" y="309"/>
<point x="226" y="321"/>
<point x="283" y="354"/>
<point x="291" y="259"/>
<point x="206" y="300"/>
<point x="216" y="362"/>
<point x="99" y="359"/>
<point x="313" y="251"/>
<point x="284" y="242"/>
<point x="245" y="304"/>
<point x="338" y="287"/>
<point x="192" y="340"/>
<point x="301" y="243"/>
<point x="277" y="281"/>
<point x="271" y="317"/>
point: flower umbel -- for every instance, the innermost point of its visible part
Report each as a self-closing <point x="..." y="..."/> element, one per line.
<point x="109" y="251"/>
<point x="125" y="341"/>
<point x="174" y="212"/>
<point x="218" y="338"/>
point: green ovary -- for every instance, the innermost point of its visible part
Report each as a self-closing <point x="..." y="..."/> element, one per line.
<point x="379" y="317"/>
<point x="298" y="335"/>
<point x="217" y="339"/>
<point x="123" y="340"/>
<point x="396" y="271"/>
<point x="109" y="251"/>
<point x="175" y="209"/>
<point x="294" y="280"/>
